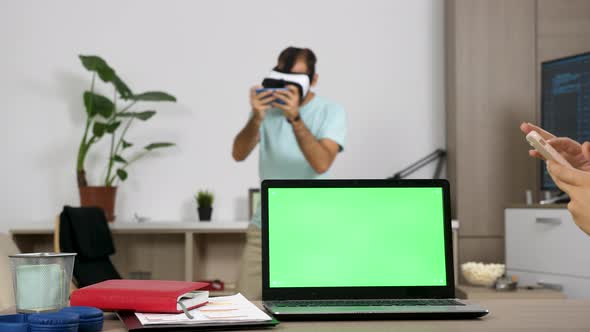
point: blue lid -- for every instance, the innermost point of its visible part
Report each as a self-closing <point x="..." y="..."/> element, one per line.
<point x="91" y="319"/>
<point x="84" y="312"/>
<point x="14" y="327"/>
<point x="54" y="318"/>
<point x="18" y="318"/>
<point x="14" y="323"/>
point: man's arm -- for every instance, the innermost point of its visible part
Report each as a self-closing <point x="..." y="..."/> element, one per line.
<point x="246" y="139"/>
<point x="249" y="136"/>
<point x="320" y="154"/>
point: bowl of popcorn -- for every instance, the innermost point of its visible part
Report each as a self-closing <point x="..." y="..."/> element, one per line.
<point x="481" y="274"/>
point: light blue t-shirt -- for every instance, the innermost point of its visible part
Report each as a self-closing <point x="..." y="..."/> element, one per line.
<point x="280" y="155"/>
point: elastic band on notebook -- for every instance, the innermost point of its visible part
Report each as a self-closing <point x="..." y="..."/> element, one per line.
<point x="186" y="312"/>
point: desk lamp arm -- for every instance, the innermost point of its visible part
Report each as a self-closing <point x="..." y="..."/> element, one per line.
<point x="439" y="154"/>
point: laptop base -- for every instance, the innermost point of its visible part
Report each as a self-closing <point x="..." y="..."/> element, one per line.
<point x="468" y="311"/>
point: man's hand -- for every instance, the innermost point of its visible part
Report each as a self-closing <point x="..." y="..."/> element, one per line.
<point x="578" y="155"/>
<point x="291" y="99"/>
<point x="526" y="128"/>
<point x="576" y="184"/>
<point x="260" y="102"/>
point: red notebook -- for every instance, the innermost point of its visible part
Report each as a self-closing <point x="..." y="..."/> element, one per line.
<point x="141" y="295"/>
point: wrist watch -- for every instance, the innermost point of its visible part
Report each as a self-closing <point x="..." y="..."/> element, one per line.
<point x="295" y="119"/>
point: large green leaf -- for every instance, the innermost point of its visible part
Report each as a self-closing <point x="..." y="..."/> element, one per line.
<point x="145" y="115"/>
<point x="100" y="105"/>
<point x="112" y="127"/>
<point x="119" y="159"/>
<point x="122" y="174"/>
<point x="122" y="88"/>
<point x="99" y="66"/>
<point x="99" y="128"/>
<point x="154" y="96"/>
<point x="92" y="62"/>
<point x="158" y="145"/>
<point x="106" y="73"/>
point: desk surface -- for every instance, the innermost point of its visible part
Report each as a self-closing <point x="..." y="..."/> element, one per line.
<point x="531" y="315"/>
<point x="525" y="315"/>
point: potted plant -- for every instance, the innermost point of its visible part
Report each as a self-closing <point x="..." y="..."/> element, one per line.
<point x="112" y="118"/>
<point x="204" y="200"/>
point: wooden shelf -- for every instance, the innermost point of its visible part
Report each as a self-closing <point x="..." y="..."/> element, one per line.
<point x="187" y="250"/>
<point x="121" y="227"/>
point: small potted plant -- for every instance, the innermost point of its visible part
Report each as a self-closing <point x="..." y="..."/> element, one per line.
<point x="204" y="200"/>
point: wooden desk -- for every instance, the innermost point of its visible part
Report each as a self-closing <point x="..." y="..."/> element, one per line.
<point x="188" y="250"/>
<point x="526" y="315"/>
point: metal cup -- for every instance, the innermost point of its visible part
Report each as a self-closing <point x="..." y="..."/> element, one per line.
<point x="41" y="281"/>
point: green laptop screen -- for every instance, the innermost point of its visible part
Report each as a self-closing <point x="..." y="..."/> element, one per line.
<point x="355" y="237"/>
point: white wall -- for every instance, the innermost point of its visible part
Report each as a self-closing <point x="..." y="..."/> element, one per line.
<point x="382" y="60"/>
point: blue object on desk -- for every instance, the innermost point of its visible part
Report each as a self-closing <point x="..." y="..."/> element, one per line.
<point x="91" y="319"/>
<point x="54" y="321"/>
<point x="14" y="323"/>
<point x="69" y="319"/>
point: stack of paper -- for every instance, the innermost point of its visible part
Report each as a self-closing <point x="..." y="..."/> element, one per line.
<point x="223" y="309"/>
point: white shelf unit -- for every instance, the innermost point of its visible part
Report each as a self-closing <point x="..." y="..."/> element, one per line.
<point x="544" y="247"/>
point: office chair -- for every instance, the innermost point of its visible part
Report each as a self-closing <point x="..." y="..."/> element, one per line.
<point x="57" y="248"/>
<point x="85" y="231"/>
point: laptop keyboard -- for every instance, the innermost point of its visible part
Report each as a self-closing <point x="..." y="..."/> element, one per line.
<point x="345" y="303"/>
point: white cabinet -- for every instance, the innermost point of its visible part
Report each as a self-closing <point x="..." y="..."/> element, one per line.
<point x="572" y="287"/>
<point x="545" y="247"/>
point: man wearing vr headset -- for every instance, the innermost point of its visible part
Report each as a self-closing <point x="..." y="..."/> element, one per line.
<point x="299" y="134"/>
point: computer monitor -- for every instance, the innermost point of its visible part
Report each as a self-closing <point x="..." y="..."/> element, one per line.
<point x="565" y="102"/>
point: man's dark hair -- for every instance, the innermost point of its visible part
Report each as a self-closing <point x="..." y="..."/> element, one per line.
<point x="291" y="54"/>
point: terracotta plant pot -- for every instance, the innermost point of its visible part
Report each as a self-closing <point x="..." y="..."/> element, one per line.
<point x="103" y="197"/>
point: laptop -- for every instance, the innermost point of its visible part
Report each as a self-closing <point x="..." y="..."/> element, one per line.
<point x="359" y="249"/>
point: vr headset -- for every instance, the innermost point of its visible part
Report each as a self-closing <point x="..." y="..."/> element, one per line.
<point x="279" y="79"/>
